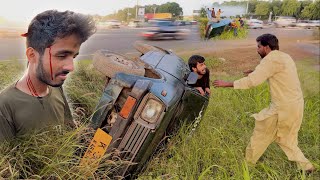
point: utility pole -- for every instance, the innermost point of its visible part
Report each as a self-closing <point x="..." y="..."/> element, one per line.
<point x="247" y="7"/>
<point x="137" y="10"/>
<point x="154" y="10"/>
<point x="128" y="15"/>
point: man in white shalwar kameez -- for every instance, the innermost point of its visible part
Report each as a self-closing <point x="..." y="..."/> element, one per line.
<point x="281" y="121"/>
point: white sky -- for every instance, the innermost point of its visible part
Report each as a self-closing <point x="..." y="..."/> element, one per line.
<point x="25" y="10"/>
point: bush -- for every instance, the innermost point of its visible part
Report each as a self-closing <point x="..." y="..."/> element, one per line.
<point x="202" y="26"/>
<point x="229" y="34"/>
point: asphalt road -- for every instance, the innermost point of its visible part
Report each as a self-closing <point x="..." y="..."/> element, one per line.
<point x="121" y="40"/>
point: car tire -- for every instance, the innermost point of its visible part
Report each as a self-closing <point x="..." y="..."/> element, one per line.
<point x="110" y="63"/>
<point x="144" y="48"/>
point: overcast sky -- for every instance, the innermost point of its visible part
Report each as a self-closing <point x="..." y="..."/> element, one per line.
<point x="25" y="10"/>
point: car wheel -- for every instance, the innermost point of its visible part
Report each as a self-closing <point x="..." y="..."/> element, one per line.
<point x="144" y="48"/>
<point x="110" y="63"/>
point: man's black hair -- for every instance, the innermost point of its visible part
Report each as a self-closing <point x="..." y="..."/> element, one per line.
<point x="269" y="40"/>
<point x="194" y="60"/>
<point x="49" y="25"/>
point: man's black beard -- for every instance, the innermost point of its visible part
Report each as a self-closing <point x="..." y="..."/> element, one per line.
<point x="43" y="76"/>
<point x="200" y="72"/>
<point x="262" y="55"/>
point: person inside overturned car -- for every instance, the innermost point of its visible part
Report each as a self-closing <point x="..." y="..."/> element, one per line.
<point x="37" y="100"/>
<point x="197" y="65"/>
<point x="281" y="121"/>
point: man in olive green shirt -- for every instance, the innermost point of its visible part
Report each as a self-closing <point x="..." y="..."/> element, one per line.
<point x="281" y="121"/>
<point x="36" y="100"/>
<point x="20" y="112"/>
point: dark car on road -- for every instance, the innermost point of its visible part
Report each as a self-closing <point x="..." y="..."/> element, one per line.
<point x="165" y="30"/>
<point x="144" y="99"/>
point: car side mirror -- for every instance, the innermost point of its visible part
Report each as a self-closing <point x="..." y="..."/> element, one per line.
<point x="192" y="78"/>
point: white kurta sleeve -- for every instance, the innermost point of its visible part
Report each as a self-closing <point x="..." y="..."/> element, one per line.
<point x="267" y="68"/>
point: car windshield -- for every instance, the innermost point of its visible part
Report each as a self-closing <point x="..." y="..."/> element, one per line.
<point x="164" y="23"/>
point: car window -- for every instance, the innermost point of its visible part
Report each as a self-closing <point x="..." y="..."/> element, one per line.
<point x="164" y="23"/>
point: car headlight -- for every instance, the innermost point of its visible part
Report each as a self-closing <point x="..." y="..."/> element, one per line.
<point x="151" y="111"/>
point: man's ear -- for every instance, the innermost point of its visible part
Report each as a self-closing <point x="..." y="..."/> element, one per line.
<point x="32" y="55"/>
<point x="267" y="48"/>
<point x="194" y="69"/>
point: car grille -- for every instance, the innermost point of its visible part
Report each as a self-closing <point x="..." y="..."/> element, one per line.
<point x="133" y="140"/>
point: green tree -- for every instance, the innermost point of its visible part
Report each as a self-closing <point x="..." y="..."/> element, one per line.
<point x="303" y="5"/>
<point x="290" y="8"/>
<point x="276" y="7"/>
<point x="312" y="11"/>
<point x="171" y="7"/>
<point x="151" y="8"/>
<point x="262" y="8"/>
<point x="233" y="3"/>
<point x="252" y="6"/>
<point x="203" y="13"/>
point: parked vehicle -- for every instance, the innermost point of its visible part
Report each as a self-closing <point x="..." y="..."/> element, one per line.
<point x="194" y="23"/>
<point x="135" y="24"/>
<point x="113" y="24"/>
<point x="285" y="21"/>
<point x="255" y="23"/>
<point x="308" y="23"/>
<point x="165" y="30"/>
<point x="144" y="99"/>
<point x="180" y="23"/>
<point x="314" y="23"/>
<point x="188" y="23"/>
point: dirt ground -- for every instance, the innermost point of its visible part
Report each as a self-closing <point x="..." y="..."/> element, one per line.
<point x="241" y="55"/>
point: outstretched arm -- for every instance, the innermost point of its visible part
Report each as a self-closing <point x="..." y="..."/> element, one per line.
<point x="221" y="83"/>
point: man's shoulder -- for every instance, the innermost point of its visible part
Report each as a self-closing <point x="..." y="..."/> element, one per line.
<point x="57" y="91"/>
<point x="276" y="54"/>
<point x="7" y="93"/>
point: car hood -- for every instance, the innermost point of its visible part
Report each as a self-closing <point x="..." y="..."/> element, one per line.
<point x="167" y="62"/>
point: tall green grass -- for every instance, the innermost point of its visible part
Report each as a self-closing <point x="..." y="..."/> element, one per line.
<point x="52" y="153"/>
<point x="84" y="86"/>
<point x="10" y="71"/>
<point x="55" y="152"/>
<point x="228" y="34"/>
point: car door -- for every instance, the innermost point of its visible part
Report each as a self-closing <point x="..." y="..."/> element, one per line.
<point x="192" y="105"/>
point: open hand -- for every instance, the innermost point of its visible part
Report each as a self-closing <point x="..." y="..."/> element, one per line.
<point x="208" y="91"/>
<point x="201" y="91"/>
<point x="221" y="83"/>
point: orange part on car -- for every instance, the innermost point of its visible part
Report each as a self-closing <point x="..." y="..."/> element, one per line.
<point x="128" y="105"/>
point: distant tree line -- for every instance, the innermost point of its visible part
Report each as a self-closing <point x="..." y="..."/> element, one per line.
<point x="306" y="9"/>
<point x="127" y="14"/>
